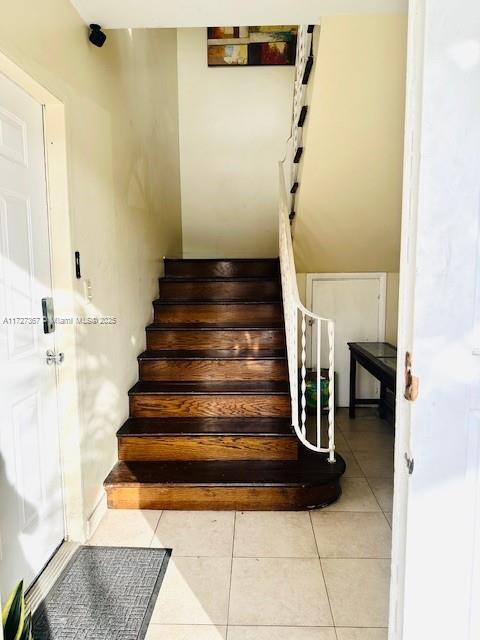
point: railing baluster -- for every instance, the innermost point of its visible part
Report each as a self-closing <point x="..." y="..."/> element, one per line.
<point x="319" y="383"/>
<point x="331" y="391"/>
<point x="294" y="371"/>
<point x="303" y="376"/>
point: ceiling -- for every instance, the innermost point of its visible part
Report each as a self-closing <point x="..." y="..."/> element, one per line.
<point x="121" y="14"/>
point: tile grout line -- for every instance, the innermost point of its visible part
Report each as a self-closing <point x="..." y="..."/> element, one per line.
<point x="156" y="528"/>
<point x="323" y="574"/>
<point x="231" y="575"/>
<point x="377" y="500"/>
<point x="287" y="557"/>
<point x="370" y="486"/>
<point x="263" y="626"/>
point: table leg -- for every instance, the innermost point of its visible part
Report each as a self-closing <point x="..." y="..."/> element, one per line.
<point x="353" y="386"/>
<point x="383" y="395"/>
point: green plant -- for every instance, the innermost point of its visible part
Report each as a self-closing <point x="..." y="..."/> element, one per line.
<point x="16" y="625"/>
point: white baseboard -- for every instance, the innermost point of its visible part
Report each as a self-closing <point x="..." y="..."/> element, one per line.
<point x="96" y="516"/>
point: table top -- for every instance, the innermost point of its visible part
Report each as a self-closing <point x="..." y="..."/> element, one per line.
<point x="380" y="356"/>
<point x="375" y="349"/>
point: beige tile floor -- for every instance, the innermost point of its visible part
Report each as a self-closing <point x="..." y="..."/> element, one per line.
<point x="319" y="575"/>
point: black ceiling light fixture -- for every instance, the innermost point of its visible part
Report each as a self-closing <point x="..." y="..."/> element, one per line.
<point x="97" y="37"/>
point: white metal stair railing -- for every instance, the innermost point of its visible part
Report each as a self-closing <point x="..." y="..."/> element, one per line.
<point x="297" y="316"/>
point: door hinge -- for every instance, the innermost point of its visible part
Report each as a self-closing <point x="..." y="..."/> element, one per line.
<point x="410" y="462"/>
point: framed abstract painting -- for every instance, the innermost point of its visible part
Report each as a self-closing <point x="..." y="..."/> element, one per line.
<point x="252" y="46"/>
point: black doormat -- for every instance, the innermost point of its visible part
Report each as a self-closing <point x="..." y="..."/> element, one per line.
<point x="104" y="593"/>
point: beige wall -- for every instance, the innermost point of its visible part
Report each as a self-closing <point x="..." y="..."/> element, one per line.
<point x="349" y="202"/>
<point x="122" y="145"/>
<point x="233" y="127"/>
<point x="348" y="209"/>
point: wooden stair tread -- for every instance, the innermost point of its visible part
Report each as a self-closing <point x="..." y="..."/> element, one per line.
<point x="213" y="354"/>
<point x="310" y="471"/>
<point x="222" y="267"/>
<point x="160" y="302"/>
<point x="220" y="279"/>
<point x="230" y="260"/>
<point x="145" y="427"/>
<point x="211" y="387"/>
<point x="215" y="326"/>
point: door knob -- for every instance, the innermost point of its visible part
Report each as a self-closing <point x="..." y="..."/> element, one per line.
<point x="55" y="358"/>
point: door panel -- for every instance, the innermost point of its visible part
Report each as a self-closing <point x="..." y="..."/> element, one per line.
<point x="18" y="271"/>
<point x="435" y="588"/>
<point x="13" y="137"/>
<point x="354" y="305"/>
<point x="31" y="519"/>
<point x="26" y="418"/>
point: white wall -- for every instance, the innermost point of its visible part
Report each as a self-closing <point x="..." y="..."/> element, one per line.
<point x="234" y="123"/>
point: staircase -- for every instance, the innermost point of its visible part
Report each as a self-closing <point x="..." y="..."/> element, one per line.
<point x="210" y="418"/>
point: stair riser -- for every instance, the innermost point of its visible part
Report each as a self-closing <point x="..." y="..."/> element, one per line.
<point x="240" y="498"/>
<point x="221" y="268"/>
<point x="160" y="448"/>
<point x="269" y="290"/>
<point x="257" y="339"/>
<point x="212" y="313"/>
<point x="196" y="370"/>
<point x="157" y="406"/>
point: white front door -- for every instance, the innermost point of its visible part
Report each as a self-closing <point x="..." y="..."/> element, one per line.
<point x="436" y="527"/>
<point x="31" y="504"/>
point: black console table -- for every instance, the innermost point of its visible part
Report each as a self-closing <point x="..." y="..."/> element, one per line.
<point x="379" y="359"/>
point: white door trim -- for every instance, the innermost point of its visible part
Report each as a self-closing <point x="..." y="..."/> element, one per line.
<point x="64" y="294"/>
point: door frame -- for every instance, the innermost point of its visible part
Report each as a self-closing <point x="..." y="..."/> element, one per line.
<point x="407" y="276"/>
<point x="62" y="273"/>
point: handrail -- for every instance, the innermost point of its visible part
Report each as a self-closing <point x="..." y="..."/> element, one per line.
<point x="292" y="306"/>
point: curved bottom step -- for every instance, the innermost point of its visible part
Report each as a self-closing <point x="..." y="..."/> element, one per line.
<point x="308" y="483"/>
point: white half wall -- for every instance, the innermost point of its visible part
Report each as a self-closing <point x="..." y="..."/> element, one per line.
<point x="234" y="123"/>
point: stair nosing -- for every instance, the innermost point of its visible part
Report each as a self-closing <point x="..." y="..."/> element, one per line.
<point x="189" y="326"/>
<point x="176" y="390"/>
<point x="171" y="426"/>
<point x="208" y="354"/>
<point x="246" y="260"/>
<point x="221" y="279"/>
<point x="212" y="301"/>
<point x="284" y="430"/>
